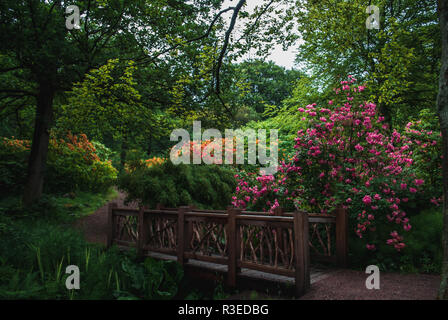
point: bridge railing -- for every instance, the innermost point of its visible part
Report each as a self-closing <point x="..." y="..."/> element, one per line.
<point x="279" y="243"/>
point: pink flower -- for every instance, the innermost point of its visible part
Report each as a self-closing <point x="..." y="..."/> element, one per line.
<point x="418" y="182"/>
<point x="377" y="197"/>
<point x="370" y="247"/>
<point x="412" y="190"/>
<point x="367" y="199"/>
<point x="434" y="201"/>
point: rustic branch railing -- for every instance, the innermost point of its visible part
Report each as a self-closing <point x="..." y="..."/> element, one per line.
<point x="276" y="243"/>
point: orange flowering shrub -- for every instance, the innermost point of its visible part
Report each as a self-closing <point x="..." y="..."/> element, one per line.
<point x="229" y="145"/>
<point x="130" y="166"/>
<point x="72" y="164"/>
<point x="154" y="161"/>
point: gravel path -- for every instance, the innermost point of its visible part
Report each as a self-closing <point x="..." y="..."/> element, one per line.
<point x="350" y="285"/>
<point x="342" y="285"/>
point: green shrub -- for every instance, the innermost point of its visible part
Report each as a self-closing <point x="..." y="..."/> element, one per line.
<point x="46" y="249"/>
<point x="425" y="131"/>
<point x="423" y="251"/>
<point x="13" y="166"/>
<point x="72" y="164"/>
<point x="206" y="186"/>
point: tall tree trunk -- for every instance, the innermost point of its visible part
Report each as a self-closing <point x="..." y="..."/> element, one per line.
<point x="39" y="149"/>
<point x="442" y="108"/>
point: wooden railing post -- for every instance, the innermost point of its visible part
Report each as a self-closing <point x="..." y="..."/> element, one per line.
<point x="302" y="253"/>
<point x="142" y="235"/>
<point x="278" y="231"/>
<point x="341" y="237"/>
<point x="232" y="245"/>
<point x="181" y="234"/>
<point x="110" y="224"/>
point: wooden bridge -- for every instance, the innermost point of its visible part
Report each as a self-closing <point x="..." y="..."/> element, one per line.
<point x="239" y="244"/>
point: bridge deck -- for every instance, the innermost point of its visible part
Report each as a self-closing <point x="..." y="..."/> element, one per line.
<point x="316" y="273"/>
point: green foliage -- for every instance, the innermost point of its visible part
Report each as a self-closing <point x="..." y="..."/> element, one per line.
<point x="105" y="104"/>
<point x="427" y="150"/>
<point x="263" y="84"/>
<point x="73" y="164"/>
<point x="399" y="61"/>
<point x="46" y="249"/>
<point x="423" y="252"/>
<point x="62" y="209"/>
<point x="37" y="244"/>
<point x="103" y="152"/>
<point x="206" y="186"/>
<point x="13" y="165"/>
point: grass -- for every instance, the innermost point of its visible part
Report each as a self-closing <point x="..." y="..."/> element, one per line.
<point x="83" y="204"/>
<point x="57" y="208"/>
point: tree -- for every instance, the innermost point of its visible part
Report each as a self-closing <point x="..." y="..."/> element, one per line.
<point x="107" y="104"/>
<point x="264" y="84"/>
<point x="403" y="51"/>
<point x="40" y="49"/>
<point x="442" y="108"/>
<point x="42" y="59"/>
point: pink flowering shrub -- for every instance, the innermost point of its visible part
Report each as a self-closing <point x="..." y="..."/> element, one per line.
<point x="345" y="156"/>
<point x="424" y="140"/>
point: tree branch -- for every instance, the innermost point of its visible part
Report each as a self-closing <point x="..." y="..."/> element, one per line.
<point x="236" y="10"/>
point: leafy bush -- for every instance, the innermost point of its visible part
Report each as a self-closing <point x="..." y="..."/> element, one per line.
<point x="38" y="272"/>
<point x="423" y="252"/>
<point x="13" y="166"/>
<point x="427" y="150"/>
<point x="47" y="243"/>
<point x="346" y="156"/>
<point x="425" y="241"/>
<point x="103" y="152"/>
<point x="72" y="164"/>
<point x="206" y="186"/>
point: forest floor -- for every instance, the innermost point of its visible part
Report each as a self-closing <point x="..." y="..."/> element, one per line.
<point x="341" y="285"/>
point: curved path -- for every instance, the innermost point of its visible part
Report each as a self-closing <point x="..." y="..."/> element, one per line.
<point x="94" y="226"/>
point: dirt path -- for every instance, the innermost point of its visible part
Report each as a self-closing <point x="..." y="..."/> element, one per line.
<point x="350" y="285"/>
<point x="94" y="226"/>
<point x="342" y="285"/>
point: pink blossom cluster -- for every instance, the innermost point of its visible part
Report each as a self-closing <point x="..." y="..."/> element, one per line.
<point x="345" y="156"/>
